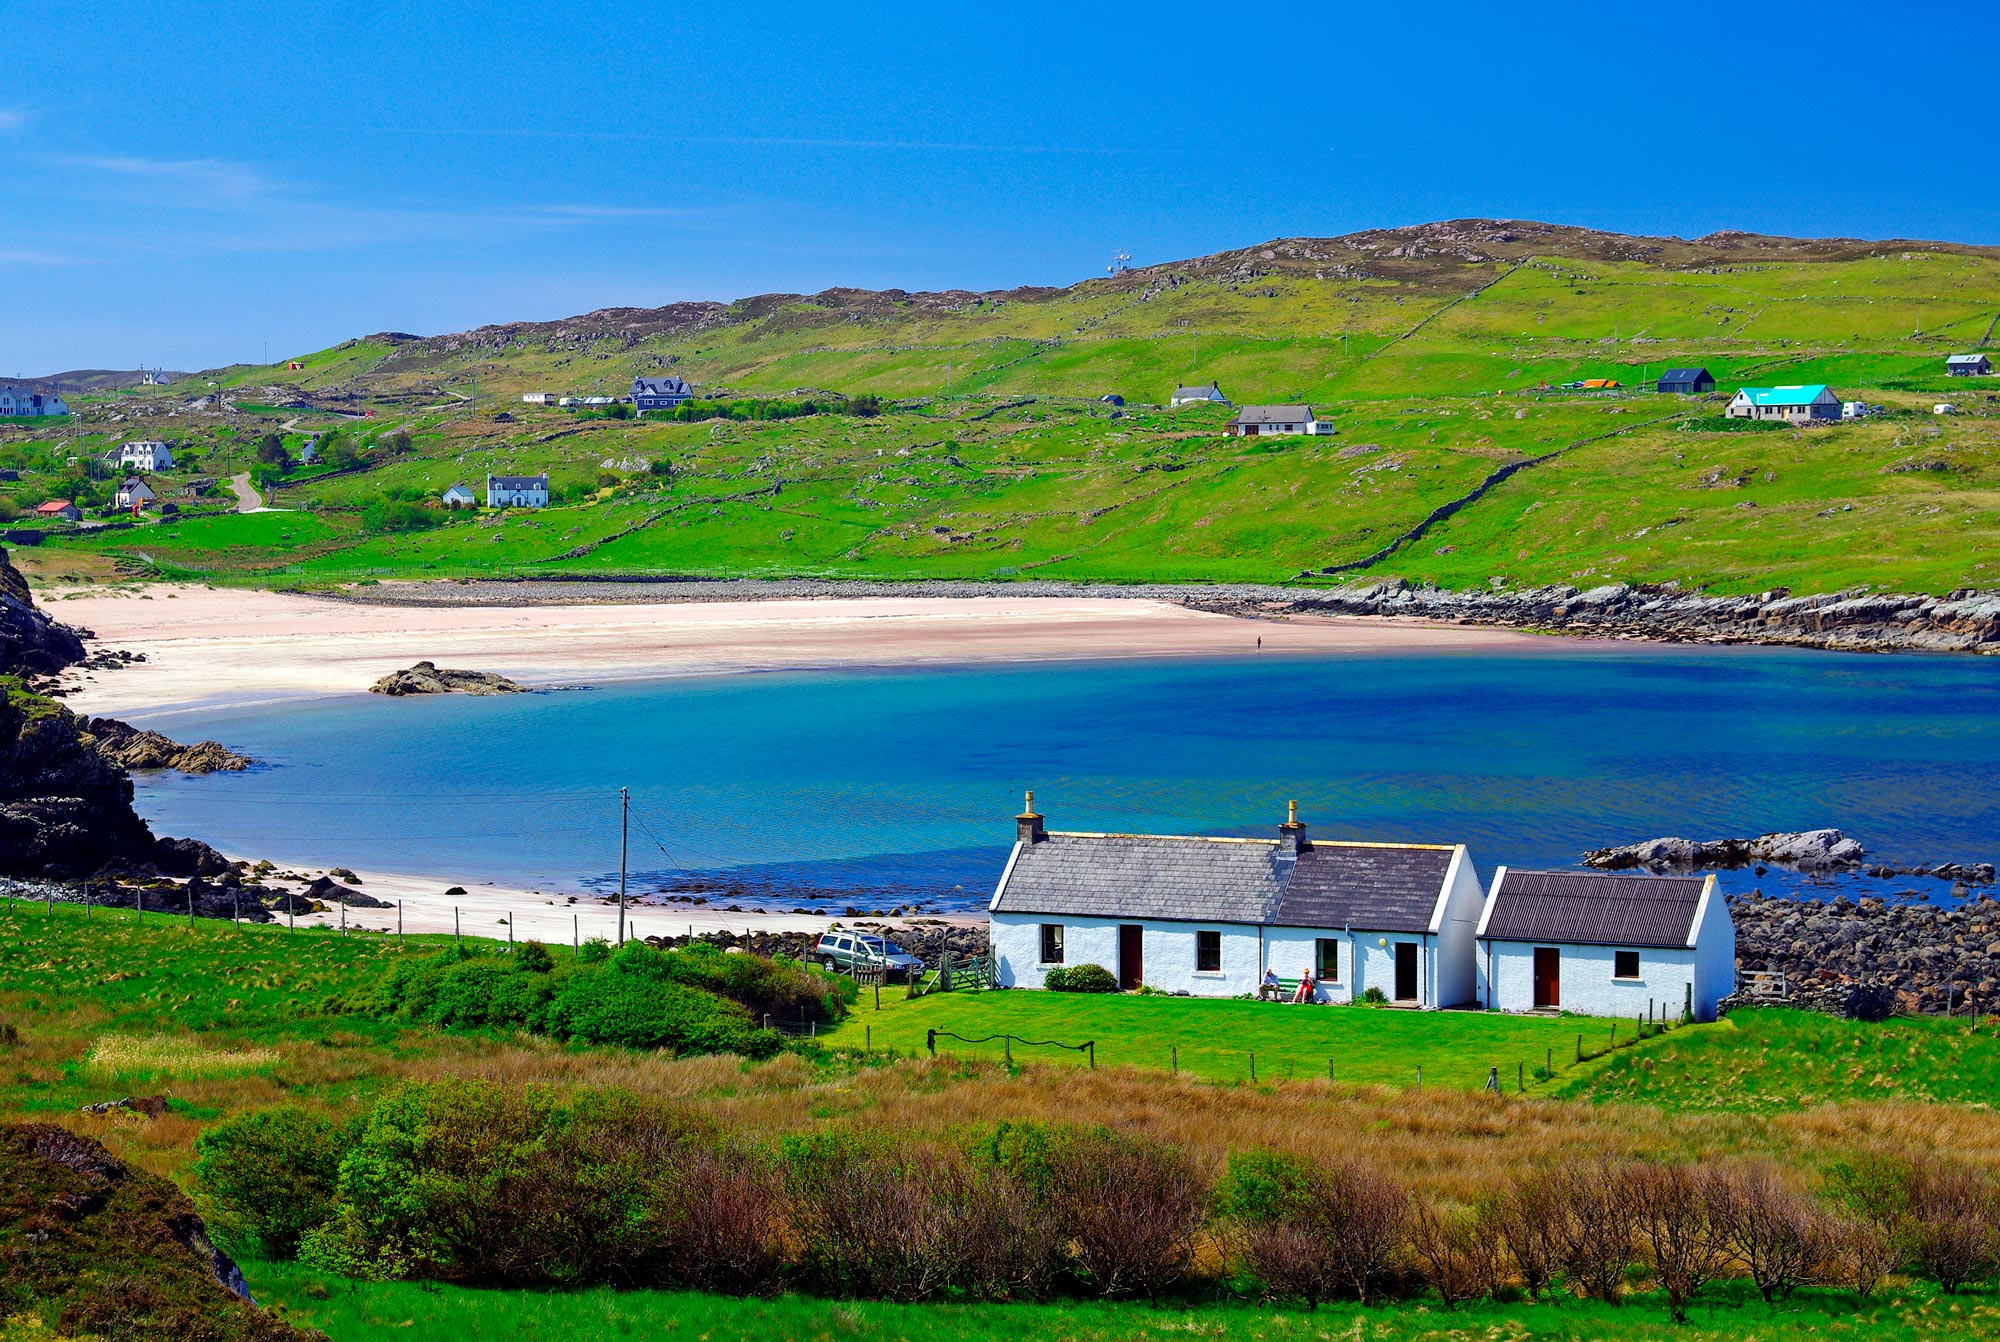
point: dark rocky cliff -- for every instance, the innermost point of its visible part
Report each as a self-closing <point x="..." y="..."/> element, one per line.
<point x="31" y="642"/>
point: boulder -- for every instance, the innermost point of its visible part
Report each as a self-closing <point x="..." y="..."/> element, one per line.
<point x="429" y="678"/>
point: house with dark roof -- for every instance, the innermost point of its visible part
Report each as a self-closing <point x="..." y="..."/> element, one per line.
<point x="1605" y="944"/>
<point x="1210" y="916"/>
<point x="1968" y="365"/>
<point x="1686" y="382"/>
<point x="657" y="393"/>
<point x="517" y="491"/>
<point x="1254" y="420"/>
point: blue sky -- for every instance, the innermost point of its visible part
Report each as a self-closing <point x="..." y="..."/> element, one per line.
<point x="188" y="185"/>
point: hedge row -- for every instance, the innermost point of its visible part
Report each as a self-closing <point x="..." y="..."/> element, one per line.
<point x="480" y="1183"/>
<point x="696" y="1000"/>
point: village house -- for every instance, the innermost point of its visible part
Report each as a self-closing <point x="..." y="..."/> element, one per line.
<point x="26" y="402"/>
<point x="1685" y="382"/>
<point x="1968" y="365"/>
<point x="1255" y="420"/>
<point x="538" y="398"/>
<point x="1606" y="944"/>
<point x="1209" y="916"/>
<point x="1797" y="405"/>
<point x="458" y="496"/>
<point x="59" y="509"/>
<point x="517" y="491"/>
<point x="145" y="454"/>
<point x="659" y="393"/>
<point x="1209" y="395"/>
<point x="134" y="493"/>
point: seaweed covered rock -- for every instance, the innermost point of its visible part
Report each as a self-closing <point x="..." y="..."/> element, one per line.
<point x="429" y="678"/>
<point x="95" y="1247"/>
<point x="137" y="748"/>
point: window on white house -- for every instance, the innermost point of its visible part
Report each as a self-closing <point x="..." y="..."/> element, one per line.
<point x="1208" y="952"/>
<point x="1052" y="943"/>
<point x="1625" y="964"/>
<point x="1326" y="960"/>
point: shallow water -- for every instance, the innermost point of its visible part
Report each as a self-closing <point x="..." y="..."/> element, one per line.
<point x="845" y="784"/>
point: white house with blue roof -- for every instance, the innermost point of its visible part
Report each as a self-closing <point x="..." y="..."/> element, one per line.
<point x="1211" y="916"/>
<point x="1795" y="405"/>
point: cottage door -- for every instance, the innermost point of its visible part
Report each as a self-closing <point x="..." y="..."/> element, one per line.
<point x="1406" y="971"/>
<point x="1131" y="958"/>
<point x="1548" y="978"/>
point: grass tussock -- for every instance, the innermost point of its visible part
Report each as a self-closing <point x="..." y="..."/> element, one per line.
<point x="172" y="1057"/>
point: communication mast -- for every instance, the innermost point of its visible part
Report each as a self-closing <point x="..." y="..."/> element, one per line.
<point x="1119" y="264"/>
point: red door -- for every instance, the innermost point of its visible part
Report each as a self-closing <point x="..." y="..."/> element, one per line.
<point x="1131" y="961"/>
<point x="1548" y="977"/>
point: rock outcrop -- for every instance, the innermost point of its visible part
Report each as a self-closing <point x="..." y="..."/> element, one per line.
<point x="114" y="1251"/>
<point x="1853" y="956"/>
<point x="429" y="678"/>
<point x="1808" y="850"/>
<point x="137" y="748"/>
<point x="30" y="642"/>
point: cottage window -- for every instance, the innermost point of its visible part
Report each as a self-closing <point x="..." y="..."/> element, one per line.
<point x="1625" y="964"/>
<point x="1208" y="952"/>
<point x="1326" y="960"/>
<point x="1052" y="943"/>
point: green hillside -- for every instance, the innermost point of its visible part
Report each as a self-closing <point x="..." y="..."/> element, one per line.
<point x="1435" y="350"/>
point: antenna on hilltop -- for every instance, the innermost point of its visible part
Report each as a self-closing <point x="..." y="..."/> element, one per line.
<point x="1119" y="264"/>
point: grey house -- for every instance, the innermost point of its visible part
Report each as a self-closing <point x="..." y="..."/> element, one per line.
<point x="1686" y="382"/>
<point x="1968" y="365"/>
<point x="1209" y="916"/>
<point x="659" y="393"/>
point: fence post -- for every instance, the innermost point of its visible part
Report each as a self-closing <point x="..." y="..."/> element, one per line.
<point x="1174" y="1059"/>
<point x="510" y="934"/>
<point x="457" y="932"/>
<point x="1092" y="1046"/>
<point x="343" y="917"/>
<point x="1253" y="1069"/>
<point x="86" y="901"/>
<point x="575" y="937"/>
<point x="1420" y="1076"/>
<point x="930" y="1041"/>
<point x="867" y="1039"/>
<point x="1329" y="1071"/>
<point x="49" y="902"/>
<point x="1521" y="1077"/>
<point x="236" y="907"/>
<point x="1493" y="1078"/>
<point x="191" y="904"/>
<point x="292" y="908"/>
<point x="1007" y="1048"/>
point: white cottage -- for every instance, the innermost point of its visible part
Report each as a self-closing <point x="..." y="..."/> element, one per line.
<point x="1209" y="916"/>
<point x="1603" y="944"/>
<point x="145" y="454"/>
<point x="134" y="493"/>
<point x="1208" y="395"/>
<point x="517" y="491"/>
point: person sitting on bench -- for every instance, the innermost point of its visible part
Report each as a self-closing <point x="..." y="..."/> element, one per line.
<point x="1269" y="990"/>
<point x="1306" y="986"/>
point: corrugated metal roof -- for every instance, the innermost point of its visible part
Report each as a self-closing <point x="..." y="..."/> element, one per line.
<point x="1594" y="910"/>
<point x="1972" y="359"/>
<point x="1784" y="395"/>
<point x="1379" y="887"/>
<point x="1146" y="876"/>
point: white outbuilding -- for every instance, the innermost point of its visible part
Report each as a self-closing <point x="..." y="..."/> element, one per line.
<point x="1211" y="916"/>
<point x="1604" y="944"/>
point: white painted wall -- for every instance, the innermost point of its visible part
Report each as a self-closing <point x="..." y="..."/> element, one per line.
<point x="1714" y="954"/>
<point x="1586" y="985"/>
<point x="1168" y="950"/>
<point x="1454" y="980"/>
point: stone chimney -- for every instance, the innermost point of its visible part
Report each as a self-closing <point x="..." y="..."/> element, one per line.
<point x="1028" y="824"/>
<point x="1292" y="834"/>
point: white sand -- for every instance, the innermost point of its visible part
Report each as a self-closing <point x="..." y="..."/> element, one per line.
<point x="210" y="648"/>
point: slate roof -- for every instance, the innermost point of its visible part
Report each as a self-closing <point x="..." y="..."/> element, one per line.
<point x="1146" y="876"/>
<point x="1784" y="395"/>
<point x="1380" y="887"/>
<point x="517" y="481"/>
<point x="1211" y="392"/>
<point x="1274" y="414"/>
<point x="1687" y="375"/>
<point x="660" y="386"/>
<point x="1592" y="909"/>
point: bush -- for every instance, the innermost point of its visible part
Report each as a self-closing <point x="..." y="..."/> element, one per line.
<point x="1595" y="1229"/>
<point x="1312" y="1231"/>
<point x="1454" y="1253"/>
<point x="1527" y="1218"/>
<point x="632" y="1001"/>
<point x="1081" y="979"/>
<point x="1674" y="1207"/>
<point x="1779" y="1237"/>
<point x="388" y="516"/>
<point x="1950" y="1226"/>
<point x="780" y="988"/>
<point x="534" y="958"/>
<point x="268" y="1177"/>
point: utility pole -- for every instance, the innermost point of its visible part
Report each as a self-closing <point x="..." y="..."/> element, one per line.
<point x="624" y="831"/>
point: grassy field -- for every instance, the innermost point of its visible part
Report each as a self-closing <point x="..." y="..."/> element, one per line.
<point x="355" y="1312"/>
<point x="996" y="460"/>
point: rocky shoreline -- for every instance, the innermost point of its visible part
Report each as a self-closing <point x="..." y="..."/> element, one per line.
<point x="1857" y="620"/>
<point x="1871" y="957"/>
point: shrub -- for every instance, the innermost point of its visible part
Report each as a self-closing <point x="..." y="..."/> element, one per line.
<point x="387" y="516"/>
<point x="1081" y="979"/>
<point x="1780" y="1238"/>
<point x="1595" y="1229"/>
<point x="1454" y="1253"/>
<point x="268" y="1177"/>
<point x="713" y="1221"/>
<point x="780" y="988"/>
<point x="1673" y="1207"/>
<point x="1128" y="1209"/>
<point x="1950" y="1226"/>
<point x="1374" y="996"/>
<point x="1527" y="1219"/>
<point x="1313" y="1231"/>
<point x="534" y="958"/>
<point x="631" y="1001"/>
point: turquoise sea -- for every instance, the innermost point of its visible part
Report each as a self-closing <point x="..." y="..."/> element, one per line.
<point x="867" y="786"/>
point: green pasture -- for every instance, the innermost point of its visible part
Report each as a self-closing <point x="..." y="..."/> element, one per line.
<point x="358" y="1311"/>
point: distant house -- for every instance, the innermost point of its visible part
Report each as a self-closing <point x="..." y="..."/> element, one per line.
<point x="538" y="398"/>
<point x="1686" y="382"/>
<point x="1797" y="405"/>
<point x="24" y="401"/>
<point x="517" y="491"/>
<point x="1968" y="365"/>
<point x="1209" y="395"/>
<point x="59" y="508"/>
<point x="1599" y="384"/>
<point x="458" y="496"/>
<point x="660" y="393"/>
<point x="1254" y="420"/>
<point x="134" y="493"/>
<point x="1111" y="398"/>
<point x="145" y="454"/>
<point x="1605" y="945"/>
<point x="309" y="452"/>
<point x="155" y="377"/>
<point x="1210" y="916"/>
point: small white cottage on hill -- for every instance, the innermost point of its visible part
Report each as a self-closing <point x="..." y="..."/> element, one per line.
<point x="1209" y="916"/>
<point x="1605" y="944"/>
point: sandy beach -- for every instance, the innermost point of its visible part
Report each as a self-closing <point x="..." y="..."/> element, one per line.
<point x="209" y="648"/>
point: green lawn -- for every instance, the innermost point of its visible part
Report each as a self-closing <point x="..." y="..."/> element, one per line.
<point x="1216" y="1039"/>
<point x="358" y="1311"/>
